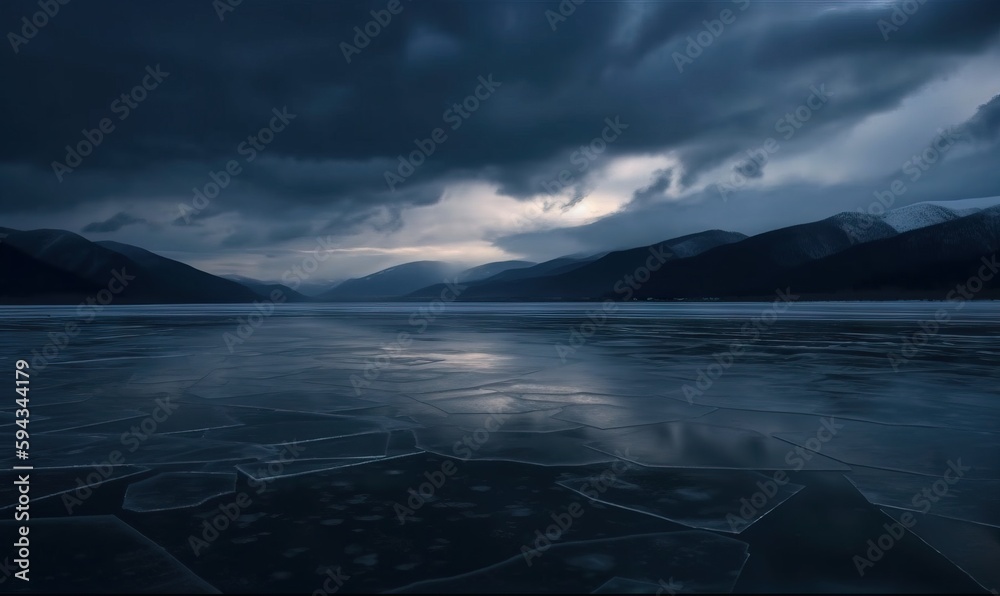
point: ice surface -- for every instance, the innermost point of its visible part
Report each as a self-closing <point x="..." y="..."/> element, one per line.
<point x="919" y="450"/>
<point x="313" y="427"/>
<point x="766" y="423"/>
<point x="487" y="404"/>
<point x="348" y="516"/>
<point x="454" y="393"/>
<point x="541" y="421"/>
<point x="101" y="554"/>
<point x="963" y="499"/>
<point x="330" y="454"/>
<point x="639" y="413"/>
<point x="398" y="380"/>
<point x="82" y="418"/>
<point x="558" y="448"/>
<point x="246" y="381"/>
<point x="68" y="450"/>
<point x="176" y="490"/>
<point x="275" y="470"/>
<point x="8" y="419"/>
<point x="575" y="398"/>
<point x="585" y="378"/>
<point x="973" y="548"/>
<point x="691" y="445"/>
<point x="697" y="561"/>
<point x="402" y="442"/>
<point x="623" y="585"/>
<point x="621" y="392"/>
<point x="304" y="398"/>
<point x="411" y="411"/>
<point x="723" y="500"/>
<point x="49" y="404"/>
<point x="185" y="418"/>
<point x="52" y="482"/>
<point x="356" y="446"/>
<point x="58" y="450"/>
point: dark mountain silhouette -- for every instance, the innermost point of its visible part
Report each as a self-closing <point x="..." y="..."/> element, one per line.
<point x="25" y="279"/>
<point x="920" y="251"/>
<point x="929" y="261"/>
<point x="392" y="282"/>
<point x="265" y="288"/>
<point x="578" y="281"/>
<point x="490" y="269"/>
<point x="738" y="269"/>
<point x="920" y="263"/>
<point x="62" y="267"/>
<point x="553" y="267"/>
<point x="398" y="281"/>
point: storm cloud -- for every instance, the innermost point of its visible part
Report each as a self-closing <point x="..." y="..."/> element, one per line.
<point x="197" y="167"/>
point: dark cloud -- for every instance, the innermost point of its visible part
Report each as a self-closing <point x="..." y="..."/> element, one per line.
<point x="113" y="223"/>
<point x="660" y="184"/>
<point x="750" y="168"/>
<point x="324" y="172"/>
<point x="241" y="238"/>
<point x="985" y="125"/>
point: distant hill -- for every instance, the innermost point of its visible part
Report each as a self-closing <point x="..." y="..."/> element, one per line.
<point x="396" y="282"/>
<point x="919" y="251"/>
<point x="56" y="266"/>
<point x="922" y="215"/>
<point x="491" y="269"/>
<point x="821" y="260"/>
<point x="392" y="282"/>
<point x="735" y="269"/>
<point x="930" y="261"/>
<point x="560" y="265"/>
<point x="924" y="250"/>
<point x="575" y="280"/>
<point x="265" y="288"/>
<point x="28" y="280"/>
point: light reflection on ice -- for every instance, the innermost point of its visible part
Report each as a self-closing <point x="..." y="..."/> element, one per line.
<point x="617" y="395"/>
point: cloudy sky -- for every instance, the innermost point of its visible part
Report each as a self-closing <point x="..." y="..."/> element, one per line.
<point x="481" y="131"/>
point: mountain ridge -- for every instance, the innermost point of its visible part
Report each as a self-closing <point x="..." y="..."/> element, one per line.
<point x="923" y="249"/>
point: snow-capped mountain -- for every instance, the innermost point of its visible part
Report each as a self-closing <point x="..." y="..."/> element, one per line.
<point x="929" y="213"/>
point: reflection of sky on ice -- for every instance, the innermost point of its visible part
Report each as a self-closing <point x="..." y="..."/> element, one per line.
<point x="373" y="417"/>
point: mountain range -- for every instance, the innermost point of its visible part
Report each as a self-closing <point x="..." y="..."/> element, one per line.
<point x="921" y="251"/>
<point x="60" y="267"/>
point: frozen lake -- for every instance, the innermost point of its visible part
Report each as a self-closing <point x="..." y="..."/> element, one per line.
<point x="637" y="447"/>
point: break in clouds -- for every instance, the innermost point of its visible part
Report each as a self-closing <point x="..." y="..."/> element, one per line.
<point x="235" y="135"/>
